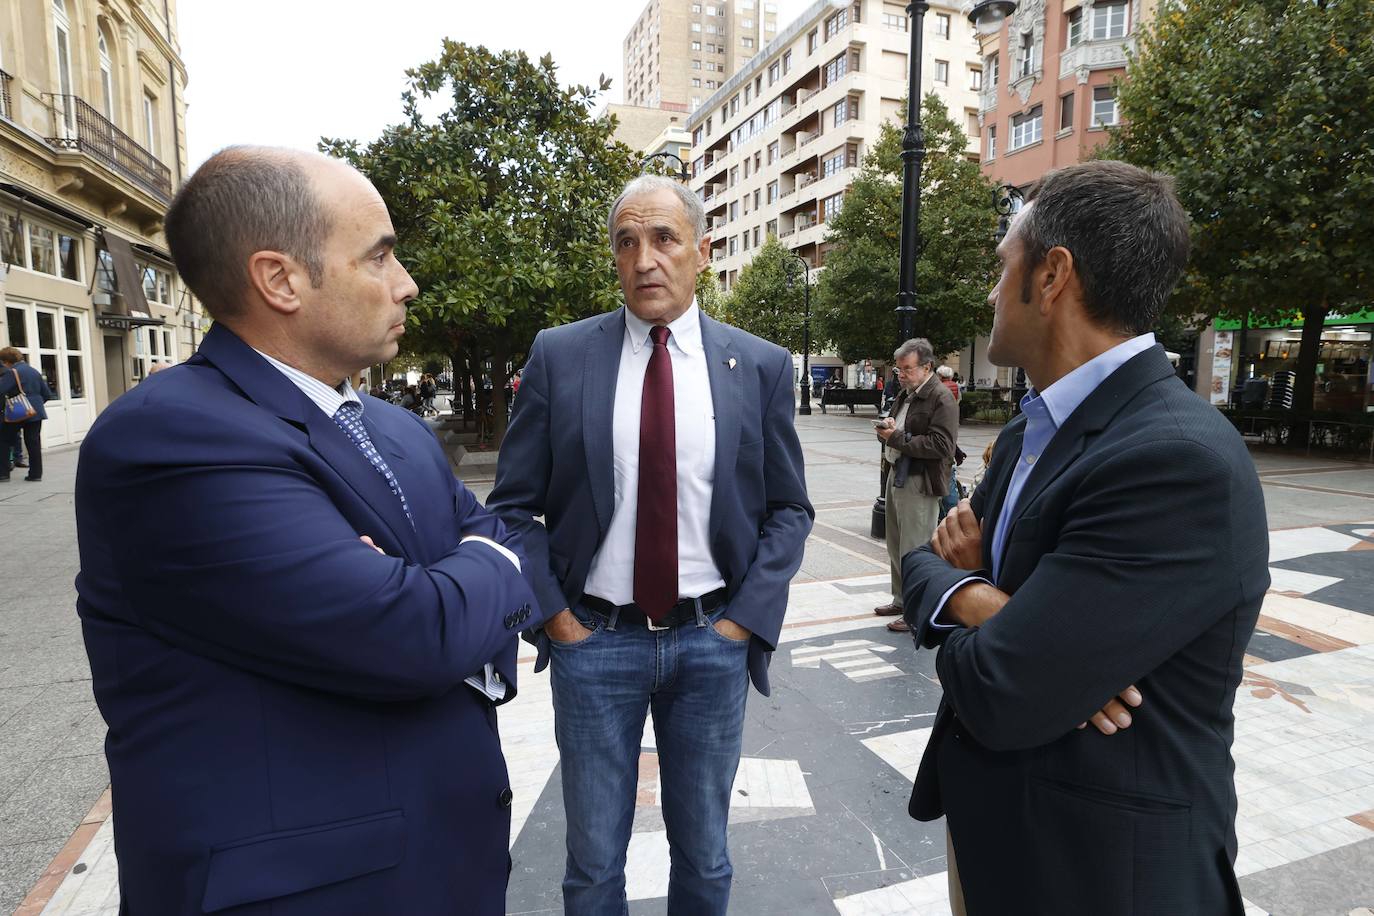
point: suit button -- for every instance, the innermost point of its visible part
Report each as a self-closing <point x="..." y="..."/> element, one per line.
<point x="508" y="620"/>
<point x="505" y="799"/>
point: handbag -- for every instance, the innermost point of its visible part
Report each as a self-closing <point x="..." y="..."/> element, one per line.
<point x="17" y="406"/>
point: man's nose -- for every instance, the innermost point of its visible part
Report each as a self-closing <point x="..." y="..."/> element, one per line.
<point x="644" y="258"/>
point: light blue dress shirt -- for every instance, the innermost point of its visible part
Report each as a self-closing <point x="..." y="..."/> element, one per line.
<point x="1046" y="411"/>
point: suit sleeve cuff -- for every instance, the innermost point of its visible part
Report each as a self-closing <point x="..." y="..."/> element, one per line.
<point x="935" y="620"/>
<point x="504" y="551"/>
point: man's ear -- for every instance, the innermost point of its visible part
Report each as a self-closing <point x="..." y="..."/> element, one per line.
<point x="277" y="279"/>
<point x="704" y="252"/>
<point x="1055" y="276"/>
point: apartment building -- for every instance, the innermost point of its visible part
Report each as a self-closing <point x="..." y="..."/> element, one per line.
<point x="651" y="130"/>
<point x="1048" y="97"/>
<point x="774" y="150"/>
<point x="92" y="148"/>
<point x="681" y="51"/>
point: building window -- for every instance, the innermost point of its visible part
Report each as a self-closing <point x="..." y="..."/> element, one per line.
<point x="941" y="25"/>
<point x="734" y="180"/>
<point x="786" y="61"/>
<point x="696" y="27"/>
<point x="845" y="110"/>
<point x="757" y="192"/>
<point x="836" y="24"/>
<point x="696" y="46"/>
<point x="747" y="23"/>
<point x="746" y="42"/>
<point x="1027" y="66"/>
<point x="832" y="163"/>
<point x="696" y="8"/>
<point x="830" y="207"/>
<point x="734" y="245"/>
<point x="774" y="71"/>
<point x="1066" y="111"/>
<point x="1075" y="32"/>
<point x="992" y="141"/>
<point x="756" y="236"/>
<point x="696" y="65"/>
<point x="772" y="192"/>
<point x="734" y="105"/>
<point x="975" y="79"/>
<point x="836" y="69"/>
<point x="153" y="348"/>
<point x="993" y="66"/>
<point x="1109" y="20"/>
<point x="1104" y="106"/>
<point x="894" y="21"/>
<point x="157" y="286"/>
<point x="744" y="240"/>
<point x="42" y="250"/>
<point x="150" y="122"/>
<point x="696" y="137"/>
<point x="62" y="37"/>
<point x="942" y="72"/>
<point x="1027" y="128"/>
<point x="696" y="82"/>
<point x="811" y="42"/>
<point x="107" y="93"/>
<point x="11" y="239"/>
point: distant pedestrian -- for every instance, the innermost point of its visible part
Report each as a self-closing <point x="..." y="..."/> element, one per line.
<point x="947" y="379"/>
<point x="428" y="389"/>
<point x="18" y="377"/>
<point x="921" y="437"/>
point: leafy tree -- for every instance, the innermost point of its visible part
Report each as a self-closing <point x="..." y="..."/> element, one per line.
<point x="499" y="203"/>
<point x="767" y="299"/>
<point x="853" y="307"/>
<point x="1260" y="109"/>
<point x="710" y="298"/>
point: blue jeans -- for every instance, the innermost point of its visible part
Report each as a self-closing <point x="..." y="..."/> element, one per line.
<point x="950" y="499"/>
<point x="694" y="681"/>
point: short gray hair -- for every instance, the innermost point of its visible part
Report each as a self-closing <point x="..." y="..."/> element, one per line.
<point x="945" y="372"/>
<point x="648" y="184"/>
<point x="1126" y="230"/>
<point x="924" y="352"/>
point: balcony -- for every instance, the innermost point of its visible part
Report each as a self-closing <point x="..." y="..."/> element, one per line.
<point x="79" y="127"/>
<point x="6" y="111"/>
<point x="1105" y="54"/>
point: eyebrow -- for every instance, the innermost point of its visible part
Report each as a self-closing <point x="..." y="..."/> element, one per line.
<point x="386" y="241"/>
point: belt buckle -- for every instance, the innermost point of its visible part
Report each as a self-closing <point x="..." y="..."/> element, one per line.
<point x="649" y="622"/>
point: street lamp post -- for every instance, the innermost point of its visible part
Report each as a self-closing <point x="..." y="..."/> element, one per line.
<point x="805" y="408"/>
<point x="913" y="155"/>
<point x="681" y="173"/>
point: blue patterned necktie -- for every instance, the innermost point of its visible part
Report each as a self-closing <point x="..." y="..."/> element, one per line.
<point x="349" y="416"/>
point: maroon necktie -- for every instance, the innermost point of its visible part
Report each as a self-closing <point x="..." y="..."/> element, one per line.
<point x="656" y="522"/>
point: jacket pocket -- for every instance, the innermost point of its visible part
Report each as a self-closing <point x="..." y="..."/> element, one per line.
<point x="290" y="861"/>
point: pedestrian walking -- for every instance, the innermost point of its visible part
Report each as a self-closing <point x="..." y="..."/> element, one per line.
<point x="1110" y="568"/>
<point x="919" y="437"/>
<point x="19" y="379"/>
<point x="300" y="671"/>
<point x="670" y="481"/>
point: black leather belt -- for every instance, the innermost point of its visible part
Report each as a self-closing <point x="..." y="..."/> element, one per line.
<point x="682" y="612"/>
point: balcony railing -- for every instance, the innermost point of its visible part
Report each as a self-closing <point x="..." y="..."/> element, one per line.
<point x="78" y="126"/>
<point x="5" y="110"/>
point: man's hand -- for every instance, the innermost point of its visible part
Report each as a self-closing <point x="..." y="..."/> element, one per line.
<point x="976" y="603"/>
<point x="959" y="538"/>
<point x="731" y="630"/>
<point x="565" y="627"/>
<point x="1114" y="716"/>
<point x="368" y="541"/>
<point x="886" y="430"/>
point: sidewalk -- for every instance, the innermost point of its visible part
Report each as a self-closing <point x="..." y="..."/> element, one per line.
<point x="819" y="821"/>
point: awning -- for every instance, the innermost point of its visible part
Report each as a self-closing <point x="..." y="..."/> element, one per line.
<point x="125" y="322"/>
<point x="1364" y="316"/>
<point x="128" y="278"/>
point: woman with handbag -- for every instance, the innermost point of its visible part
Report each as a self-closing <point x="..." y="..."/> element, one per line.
<point x="22" y="393"/>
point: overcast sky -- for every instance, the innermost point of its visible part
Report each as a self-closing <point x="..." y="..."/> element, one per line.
<point x="286" y="72"/>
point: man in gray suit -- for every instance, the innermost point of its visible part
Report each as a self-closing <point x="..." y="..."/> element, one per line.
<point x="671" y="485"/>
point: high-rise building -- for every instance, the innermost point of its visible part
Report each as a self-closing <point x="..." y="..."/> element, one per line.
<point x="92" y="148"/>
<point x="1048" y="98"/>
<point x="775" y="149"/>
<point x="681" y="51"/>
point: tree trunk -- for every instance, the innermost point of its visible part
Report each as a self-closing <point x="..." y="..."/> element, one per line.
<point x="1313" y="323"/>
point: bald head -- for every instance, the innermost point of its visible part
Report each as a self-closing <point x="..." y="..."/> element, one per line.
<point x="246" y="199"/>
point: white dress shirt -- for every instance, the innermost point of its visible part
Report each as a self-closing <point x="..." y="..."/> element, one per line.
<point x="612" y="571"/>
<point x="329" y="399"/>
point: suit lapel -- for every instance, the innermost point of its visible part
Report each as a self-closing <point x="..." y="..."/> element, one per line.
<point x="269" y="389"/>
<point x="599" y="374"/>
<point x="726" y="373"/>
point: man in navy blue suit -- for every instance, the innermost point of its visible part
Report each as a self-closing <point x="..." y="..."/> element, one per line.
<point x="299" y="623"/>
<point x="670" y="481"/>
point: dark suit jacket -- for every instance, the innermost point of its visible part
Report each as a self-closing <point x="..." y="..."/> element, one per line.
<point x="557" y="461"/>
<point x="1138" y="555"/>
<point x="289" y="728"/>
<point x="34" y="384"/>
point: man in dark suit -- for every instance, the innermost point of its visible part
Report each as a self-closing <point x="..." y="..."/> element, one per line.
<point x="18" y="377"/>
<point x="299" y="653"/>
<point x="670" y="479"/>
<point x="1117" y="546"/>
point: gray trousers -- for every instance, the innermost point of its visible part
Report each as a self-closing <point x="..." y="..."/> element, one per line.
<point x="911" y="520"/>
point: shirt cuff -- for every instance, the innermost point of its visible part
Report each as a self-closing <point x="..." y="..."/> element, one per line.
<point x="504" y="551"/>
<point x="944" y="599"/>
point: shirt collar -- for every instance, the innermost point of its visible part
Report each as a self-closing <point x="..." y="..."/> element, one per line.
<point x="322" y="395"/>
<point x="1063" y="397"/>
<point x="685" y="331"/>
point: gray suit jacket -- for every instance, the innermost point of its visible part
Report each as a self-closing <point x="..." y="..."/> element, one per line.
<point x="556" y="462"/>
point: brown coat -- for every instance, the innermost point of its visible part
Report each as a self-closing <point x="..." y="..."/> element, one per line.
<point x="927" y="438"/>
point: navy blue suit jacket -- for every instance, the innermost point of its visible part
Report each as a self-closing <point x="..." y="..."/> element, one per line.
<point x="557" y="461"/>
<point x="1137" y="554"/>
<point x="289" y="731"/>
<point x="35" y="387"/>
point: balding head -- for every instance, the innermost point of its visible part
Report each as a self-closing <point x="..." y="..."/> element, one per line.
<point x="246" y="199"/>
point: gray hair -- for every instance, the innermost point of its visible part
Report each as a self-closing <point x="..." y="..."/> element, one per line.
<point x="924" y="352"/>
<point x="945" y="372"/>
<point x="648" y="184"/>
<point x="1126" y="230"/>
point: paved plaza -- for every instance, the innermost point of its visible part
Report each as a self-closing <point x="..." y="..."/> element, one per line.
<point x="818" y="818"/>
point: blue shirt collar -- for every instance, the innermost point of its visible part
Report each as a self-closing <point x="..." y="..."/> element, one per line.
<point x="1063" y="397"/>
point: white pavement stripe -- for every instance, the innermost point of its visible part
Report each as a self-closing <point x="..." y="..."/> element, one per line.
<point x="868" y="674"/>
<point x="1350" y="626"/>
<point x="926" y="896"/>
<point x="646" y="866"/>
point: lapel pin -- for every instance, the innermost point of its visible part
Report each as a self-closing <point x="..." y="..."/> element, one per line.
<point x="732" y="362"/>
